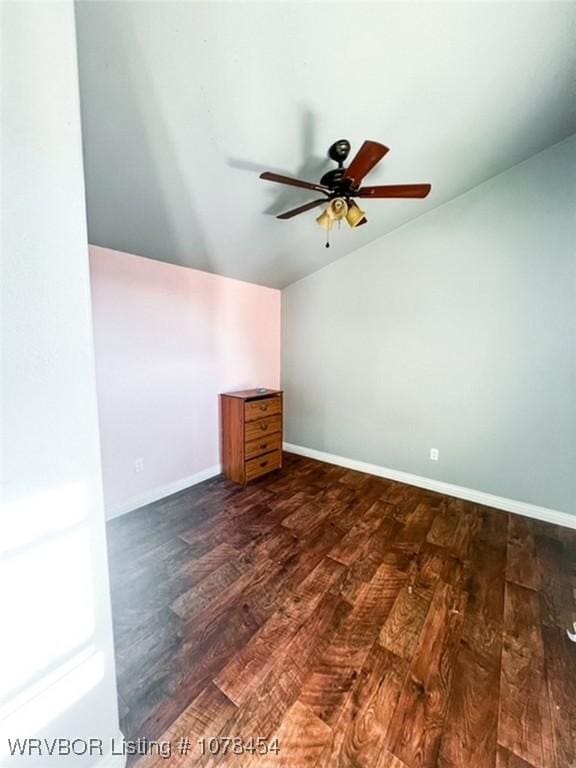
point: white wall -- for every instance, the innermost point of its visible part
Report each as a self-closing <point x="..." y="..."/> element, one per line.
<point x="168" y="340"/>
<point x="57" y="673"/>
<point x="457" y="332"/>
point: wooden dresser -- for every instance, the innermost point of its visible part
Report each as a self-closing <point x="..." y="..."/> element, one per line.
<point x="251" y="433"/>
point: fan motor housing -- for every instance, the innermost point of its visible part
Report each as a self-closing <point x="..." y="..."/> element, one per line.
<point x="339" y="151"/>
<point x="337" y="184"/>
<point x="332" y="178"/>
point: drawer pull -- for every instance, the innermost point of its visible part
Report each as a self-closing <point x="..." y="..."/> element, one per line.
<point x="264" y="407"/>
<point x="263" y="427"/>
<point x="263" y="445"/>
<point x="265" y="462"/>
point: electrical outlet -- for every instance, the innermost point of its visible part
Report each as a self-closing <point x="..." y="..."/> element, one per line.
<point x="434" y="454"/>
<point x="138" y="465"/>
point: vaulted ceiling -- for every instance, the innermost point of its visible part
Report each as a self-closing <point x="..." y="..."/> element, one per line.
<point x="185" y="103"/>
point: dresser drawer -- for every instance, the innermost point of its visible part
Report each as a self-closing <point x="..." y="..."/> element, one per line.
<point x="267" y="426"/>
<point x="258" y="409"/>
<point x="263" y="464"/>
<point x="262" y="445"/>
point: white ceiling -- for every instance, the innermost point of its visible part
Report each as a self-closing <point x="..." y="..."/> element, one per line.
<point x="184" y="103"/>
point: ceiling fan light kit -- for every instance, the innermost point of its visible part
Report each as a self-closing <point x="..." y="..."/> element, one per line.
<point x="355" y="216"/>
<point x="339" y="209"/>
<point x="325" y="221"/>
<point x="340" y="185"/>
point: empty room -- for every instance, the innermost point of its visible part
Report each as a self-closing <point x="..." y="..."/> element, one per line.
<point x="288" y="366"/>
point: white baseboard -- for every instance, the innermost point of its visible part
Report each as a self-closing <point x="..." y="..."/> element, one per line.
<point x="553" y="516"/>
<point x="112" y="760"/>
<point x="155" y="494"/>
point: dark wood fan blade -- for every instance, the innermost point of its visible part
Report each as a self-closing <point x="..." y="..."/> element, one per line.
<point x="369" y="154"/>
<point x="301" y="209"/>
<point x="395" y="190"/>
<point x="269" y="176"/>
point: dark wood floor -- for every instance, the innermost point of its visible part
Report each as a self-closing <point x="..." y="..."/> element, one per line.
<point x="359" y="621"/>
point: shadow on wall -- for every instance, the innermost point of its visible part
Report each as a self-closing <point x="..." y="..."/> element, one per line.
<point x="137" y="200"/>
<point x="311" y="168"/>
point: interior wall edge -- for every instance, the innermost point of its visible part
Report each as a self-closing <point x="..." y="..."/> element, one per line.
<point x="553" y="516"/>
<point x="161" y="492"/>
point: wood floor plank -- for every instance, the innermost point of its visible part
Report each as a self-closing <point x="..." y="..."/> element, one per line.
<point x="228" y="521"/>
<point x="486" y="590"/>
<point x="347" y="550"/>
<point x="191" y="602"/>
<point x="524" y="706"/>
<point x="275" y="543"/>
<point x="444" y="530"/>
<point x="321" y="600"/>
<point x="335" y="492"/>
<point x="402" y="629"/>
<point x="506" y="759"/>
<point x="523" y="565"/>
<point x="302" y="737"/>
<point x="560" y="656"/>
<point x="206" y="715"/>
<point x="370" y="558"/>
<point x="556" y="600"/>
<point x="158" y="646"/>
<point x="309" y="552"/>
<point x="416" y="527"/>
<point x="403" y="497"/>
<point x="493" y="525"/>
<point x="433" y="562"/>
<point x="471" y="727"/>
<point x="374" y="553"/>
<point x="246" y="670"/>
<point x="362" y="730"/>
<point x="454" y="528"/>
<point x="327" y="688"/>
<point x="307" y="516"/>
<point x="417" y="726"/>
<point x="224" y="587"/>
<point x="388" y="760"/>
<point x="262" y="713"/>
<point x="192" y="669"/>
<point x="197" y="569"/>
<point x="347" y="515"/>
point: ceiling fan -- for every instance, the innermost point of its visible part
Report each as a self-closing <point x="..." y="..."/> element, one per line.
<point x="340" y="185"/>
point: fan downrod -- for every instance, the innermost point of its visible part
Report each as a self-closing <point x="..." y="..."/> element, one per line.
<point x="338" y="152"/>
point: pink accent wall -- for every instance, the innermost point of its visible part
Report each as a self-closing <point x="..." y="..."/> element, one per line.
<point x="168" y="339"/>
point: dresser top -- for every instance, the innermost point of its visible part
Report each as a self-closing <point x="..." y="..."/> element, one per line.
<point x="252" y="394"/>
